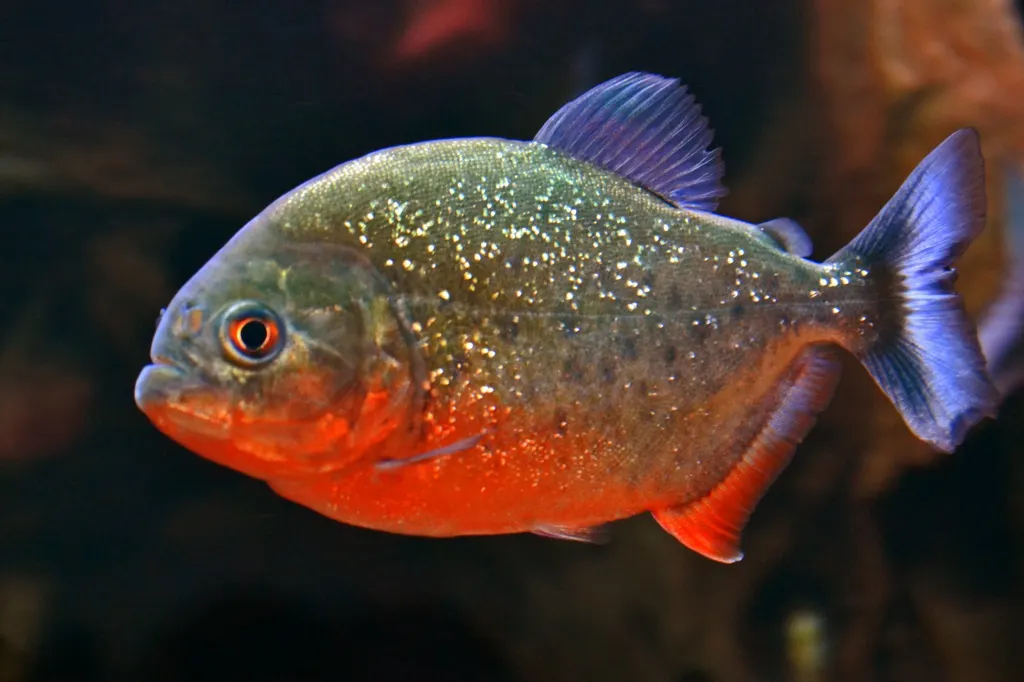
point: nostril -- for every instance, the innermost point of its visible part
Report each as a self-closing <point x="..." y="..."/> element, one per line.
<point x="188" y="321"/>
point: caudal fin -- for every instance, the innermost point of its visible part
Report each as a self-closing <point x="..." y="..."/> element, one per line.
<point x="929" y="363"/>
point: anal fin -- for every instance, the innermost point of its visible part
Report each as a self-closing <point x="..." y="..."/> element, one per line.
<point x="712" y="525"/>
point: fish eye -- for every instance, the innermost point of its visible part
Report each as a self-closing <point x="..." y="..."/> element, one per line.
<point x="251" y="334"/>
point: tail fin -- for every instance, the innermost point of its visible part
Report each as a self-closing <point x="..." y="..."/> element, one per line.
<point x="931" y="365"/>
<point x="1001" y="330"/>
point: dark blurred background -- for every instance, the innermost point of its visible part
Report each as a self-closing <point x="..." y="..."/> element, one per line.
<point x="136" y="137"/>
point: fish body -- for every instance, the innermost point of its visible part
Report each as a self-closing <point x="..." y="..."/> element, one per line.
<point x="601" y="348"/>
<point x="488" y="336"/>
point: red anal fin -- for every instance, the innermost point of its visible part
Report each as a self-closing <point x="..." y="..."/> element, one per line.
<point x="712" y="525"/>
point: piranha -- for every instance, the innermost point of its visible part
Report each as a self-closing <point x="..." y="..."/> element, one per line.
<point x="484" y="336"/>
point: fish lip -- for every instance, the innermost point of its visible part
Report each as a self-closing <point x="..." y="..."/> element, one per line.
<point x="161" y="383"/>
<point x="161" y="390"/>
<point x="157" y="384"/>
<point x="164" y="361"/>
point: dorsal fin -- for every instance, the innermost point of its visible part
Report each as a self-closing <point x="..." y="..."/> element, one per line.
<point x="789" y="235"/>
<point x="647" y="129"/>
<point x="712" y="524"/>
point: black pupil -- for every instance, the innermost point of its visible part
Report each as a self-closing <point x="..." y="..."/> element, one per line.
<point x="253" y="335"/>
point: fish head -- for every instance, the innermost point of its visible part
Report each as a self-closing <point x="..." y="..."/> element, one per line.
<point x="280" y="359"/>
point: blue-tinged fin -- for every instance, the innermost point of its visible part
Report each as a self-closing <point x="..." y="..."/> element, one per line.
<point x="713" y="524"/>
<point x="789" y="235"/>
<point x="647" y="129"/>
<point x="930" y="365"/>
<point x="1001" y="330"/>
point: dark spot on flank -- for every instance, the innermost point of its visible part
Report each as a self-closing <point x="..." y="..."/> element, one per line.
<point x="627" y="348"/>
<point x="648" y="280"/>
<point x="607" y="372"/>
<point x="698" y="329"/>
<point x="573" y="370"/>
<point x="644" y="390"/>
<point x="514" y="262"/>
<point x="561" y="421"/>
<point x="670" y="355"/>
<point x="569" y="327"/>
<point x="569" y="320"/>
<point x="738" y="311"/>
<point x="459" y="362"/>
<point x="675" y="298"/>
<point x="508" y="329"/>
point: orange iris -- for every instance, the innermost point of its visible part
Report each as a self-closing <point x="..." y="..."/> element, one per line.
<point x="254" y="336"/>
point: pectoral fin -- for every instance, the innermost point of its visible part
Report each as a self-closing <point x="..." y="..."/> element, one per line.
<point x="595" y="535"/>
<point x="451" y="449"/>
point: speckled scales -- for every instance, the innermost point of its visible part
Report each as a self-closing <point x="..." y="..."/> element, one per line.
<point x="560" y="291"/>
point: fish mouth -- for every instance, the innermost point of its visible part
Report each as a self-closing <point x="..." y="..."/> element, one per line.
<point x="159" y="383"/>
<point x="167" y="393"/>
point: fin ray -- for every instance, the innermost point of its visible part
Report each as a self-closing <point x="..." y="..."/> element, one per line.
<point x="444" y="451"/>
<point x="649" y="130"/>
<point x="597" y="535"/>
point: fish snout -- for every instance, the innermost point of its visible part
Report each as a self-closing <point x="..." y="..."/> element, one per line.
<point x="158" y="383"/>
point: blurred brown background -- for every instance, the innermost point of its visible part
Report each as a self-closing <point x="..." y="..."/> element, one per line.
<point x="136" y="137"/>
